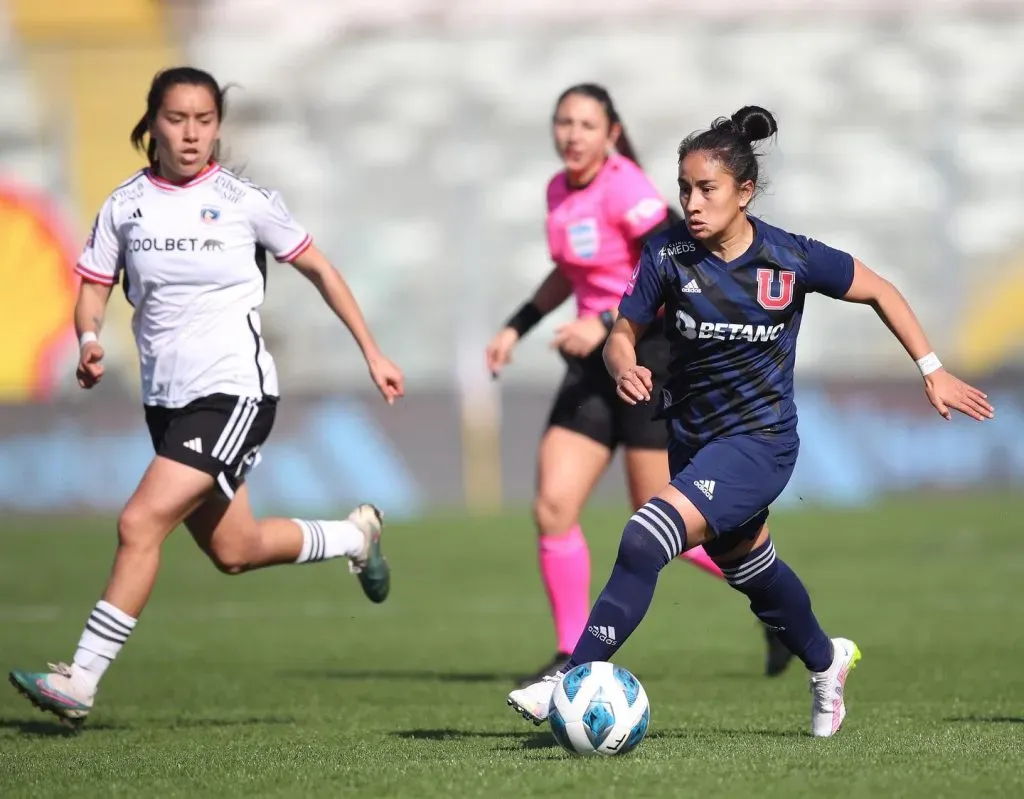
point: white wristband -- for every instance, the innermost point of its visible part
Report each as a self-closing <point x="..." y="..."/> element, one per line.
<point x="928" y="364"/>
<point x="86" y="337"/>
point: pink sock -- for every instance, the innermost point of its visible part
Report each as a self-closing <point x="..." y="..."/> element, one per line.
<point x="565" y="569"/>
<point x="699" y="558"/>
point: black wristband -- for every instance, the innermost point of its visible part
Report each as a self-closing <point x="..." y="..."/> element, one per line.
<point x="526" y="318"/>
<point x="608" y="320"/>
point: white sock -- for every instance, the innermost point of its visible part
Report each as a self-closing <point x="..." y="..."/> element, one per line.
<point x="106" y="631"/>
<point x="323" y="540"/>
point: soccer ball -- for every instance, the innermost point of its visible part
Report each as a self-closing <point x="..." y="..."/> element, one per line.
<point x="599" y="709"/>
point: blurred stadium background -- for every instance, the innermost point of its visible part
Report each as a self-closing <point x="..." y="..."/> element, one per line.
<point x="412" y="138"/>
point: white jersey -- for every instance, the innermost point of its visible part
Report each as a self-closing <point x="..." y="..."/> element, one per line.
<point x="192" y="259"/>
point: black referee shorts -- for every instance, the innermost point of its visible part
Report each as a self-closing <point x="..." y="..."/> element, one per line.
<point x="219" y="434"/>
<point x="586" y="402"/>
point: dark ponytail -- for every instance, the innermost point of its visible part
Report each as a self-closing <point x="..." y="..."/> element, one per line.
<point x="594" y="91"/>
<point x="162" y="82"/>
<point x="732" y="142"/>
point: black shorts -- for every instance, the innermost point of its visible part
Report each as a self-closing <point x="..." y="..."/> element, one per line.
<point x="219" y="434"/>
<point x="586" y="402"/>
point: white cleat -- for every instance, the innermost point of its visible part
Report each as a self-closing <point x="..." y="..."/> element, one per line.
<point x="369" y="564"/>
<point x="370" y="522"/>
<point x="533" y="702"/>
<point x="828" y="708"/>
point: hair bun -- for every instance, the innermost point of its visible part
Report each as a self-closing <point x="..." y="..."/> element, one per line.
<point x="755" y="123"/>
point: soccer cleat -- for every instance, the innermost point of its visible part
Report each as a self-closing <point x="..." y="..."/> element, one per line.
<point x="54" y="692"/>
<point x="549" y="669"/>
<point x="828" y="706"/>
<point x="777" y="657"/>
<point x="370" y="565"/>
<point x="533" y="702"/>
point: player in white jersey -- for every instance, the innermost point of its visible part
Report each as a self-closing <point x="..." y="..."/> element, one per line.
<point x="188" y="240"/>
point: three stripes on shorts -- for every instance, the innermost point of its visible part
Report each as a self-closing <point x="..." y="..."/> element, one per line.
<point x="233" y="436"/>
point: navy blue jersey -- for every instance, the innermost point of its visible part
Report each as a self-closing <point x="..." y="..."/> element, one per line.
<point x="732" y="326"/>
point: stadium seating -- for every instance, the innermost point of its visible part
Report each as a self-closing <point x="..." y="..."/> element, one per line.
<point x="417" y="152"/>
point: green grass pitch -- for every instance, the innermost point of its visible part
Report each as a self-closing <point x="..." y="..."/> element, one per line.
<point x="288" y="683"/>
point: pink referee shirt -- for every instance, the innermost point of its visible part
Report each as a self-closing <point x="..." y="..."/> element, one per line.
<point x="594" y="232"/>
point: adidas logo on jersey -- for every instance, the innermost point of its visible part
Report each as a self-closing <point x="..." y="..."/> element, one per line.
<point x="706" y="487"/>
<point x="137" y="214"/>
<point x="606" y="635"/>
<point x="194" y="444"/>
<point x="691" y="287"/>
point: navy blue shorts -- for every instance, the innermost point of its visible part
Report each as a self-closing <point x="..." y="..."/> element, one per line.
<point x="732" y="481"/>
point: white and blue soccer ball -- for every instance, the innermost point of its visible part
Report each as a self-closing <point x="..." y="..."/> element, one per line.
<point x="599" y="709"/>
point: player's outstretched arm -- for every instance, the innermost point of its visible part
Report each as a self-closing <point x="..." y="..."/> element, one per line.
<point x="945" y="392"/>
<point x="90" y="311"/>
<point x="552" y="292"/>
<point x="633" y="382"/>
<point x="314" y="265"/>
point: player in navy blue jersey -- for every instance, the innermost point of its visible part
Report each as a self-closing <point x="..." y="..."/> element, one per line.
<point x="734" y="289"/>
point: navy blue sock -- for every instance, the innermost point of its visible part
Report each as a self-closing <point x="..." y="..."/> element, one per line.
<point x="781" y="602"/>
<point x="654" y="535"/>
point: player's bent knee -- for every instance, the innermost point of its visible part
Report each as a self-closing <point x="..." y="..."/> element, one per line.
<point x="552" y="515"/>
<point x="654" y="536"/>
<point x="731" y="549"/>
<point x="751" y="568"/>
<point x="235" y="552"/>
<point x="697" y="530"/>
<point x="137" y="527"/>
<point x="230" y="560"/>
<point x="230" y="567"/>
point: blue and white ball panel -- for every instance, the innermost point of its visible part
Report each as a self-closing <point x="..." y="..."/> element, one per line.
<point x="558" y="729"/>
<point x="638" y="733"/>
<point x="572" y="681"/>
<point x="630" y="684"/>
<point x="599" y="708"/>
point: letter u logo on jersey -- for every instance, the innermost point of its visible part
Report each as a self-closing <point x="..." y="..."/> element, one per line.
<point x="775" y="289"/>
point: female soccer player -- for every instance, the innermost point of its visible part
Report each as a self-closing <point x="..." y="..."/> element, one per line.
<point x="601" y="210"/>
<point x="189" y="241"/>
<point x="734" y="289"/>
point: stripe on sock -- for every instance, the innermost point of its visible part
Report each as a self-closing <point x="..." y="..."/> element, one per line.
<point x="753" y="565"/>
<point x="319" y="542"/>
<point x="103" y="623"/>
<point x="662" y="526"/>
<point x="108" y="619"/>
<point x="658" y="535"/>
<point x="656" y="514"/>
<point x="100" y="632"/>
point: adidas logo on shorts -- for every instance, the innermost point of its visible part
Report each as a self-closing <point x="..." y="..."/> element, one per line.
<point x="194" y="444"/>
<point x="706" y="487"/>
<point x="691" y="287"/>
